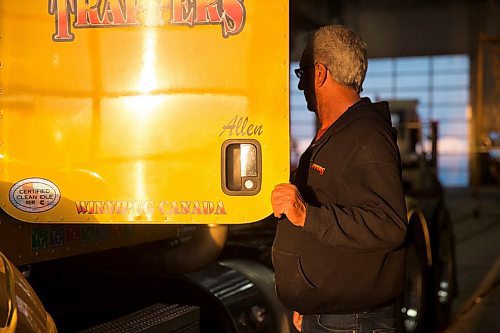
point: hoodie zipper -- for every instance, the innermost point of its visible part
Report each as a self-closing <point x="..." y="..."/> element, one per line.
<point x="316" y="147"/>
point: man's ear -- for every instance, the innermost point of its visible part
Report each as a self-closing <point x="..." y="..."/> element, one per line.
<point x="320" y="74"/>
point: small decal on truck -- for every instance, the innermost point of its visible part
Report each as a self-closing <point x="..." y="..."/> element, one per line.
<point x="34" y="195"/>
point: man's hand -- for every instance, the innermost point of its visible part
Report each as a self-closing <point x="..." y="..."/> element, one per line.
<point x="286" y="199"/>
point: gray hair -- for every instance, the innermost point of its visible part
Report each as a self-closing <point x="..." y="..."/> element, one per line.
<point x="343" y="52"/>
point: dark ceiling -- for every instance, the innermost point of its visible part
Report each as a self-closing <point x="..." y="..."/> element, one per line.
<point x="399" y="27"/>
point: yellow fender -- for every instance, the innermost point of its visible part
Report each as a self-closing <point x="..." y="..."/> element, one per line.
<point x="24" y="311"/>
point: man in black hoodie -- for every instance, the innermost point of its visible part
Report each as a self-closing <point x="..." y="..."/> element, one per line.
<point x="339" y="250"/>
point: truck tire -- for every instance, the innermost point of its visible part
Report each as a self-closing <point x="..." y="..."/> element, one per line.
<point x="415" y="308"/>
<point x="444" y="268"/>
<point x="263" y="278"/>
<point x="234" y="296"/>
<point x="443" y="284"/>
<point x="414" y="301"/>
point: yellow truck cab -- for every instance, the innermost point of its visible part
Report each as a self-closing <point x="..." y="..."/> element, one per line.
<point x="144" y="126"/>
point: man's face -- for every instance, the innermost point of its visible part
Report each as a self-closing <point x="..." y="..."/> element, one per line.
<point x="306" y="80"/>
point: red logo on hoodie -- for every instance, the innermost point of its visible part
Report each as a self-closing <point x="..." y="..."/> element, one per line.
<point x="318" y="168"/>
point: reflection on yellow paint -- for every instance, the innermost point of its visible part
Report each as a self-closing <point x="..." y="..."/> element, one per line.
<point x="145" y="103"/>
<point x="145" y="210"/>
<point x="140" y="193"/>
<point x="148" y="80"/>
<point x="58" y="136"/>
<point x="143" y="106"/>
<point x="93" y="174"/>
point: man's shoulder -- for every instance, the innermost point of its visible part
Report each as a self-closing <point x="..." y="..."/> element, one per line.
<point x="365" y="120"/>
<point x="365" y="125"/>
<point x="370" y="131"/>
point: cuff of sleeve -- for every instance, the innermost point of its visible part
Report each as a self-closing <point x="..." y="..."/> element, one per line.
<point x="312" y="219"/>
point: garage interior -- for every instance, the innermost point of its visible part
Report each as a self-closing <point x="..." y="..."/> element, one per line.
<point x="437" y="63"/>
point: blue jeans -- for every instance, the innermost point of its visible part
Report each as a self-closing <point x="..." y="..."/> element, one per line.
<point x="380" y="320"/>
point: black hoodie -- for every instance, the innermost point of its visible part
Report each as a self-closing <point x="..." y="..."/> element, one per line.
<point x="350" y="255"/>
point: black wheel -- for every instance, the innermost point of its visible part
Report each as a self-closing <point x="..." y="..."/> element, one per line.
<point x="442" y="284"/>
<point x="414" y="301"/>
<point x="443" y="270"/>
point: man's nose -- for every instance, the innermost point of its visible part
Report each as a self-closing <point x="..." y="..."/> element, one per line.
<point x="300" y="85"/>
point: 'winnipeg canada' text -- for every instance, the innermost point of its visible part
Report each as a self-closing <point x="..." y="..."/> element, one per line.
<point x="148" y="207"/>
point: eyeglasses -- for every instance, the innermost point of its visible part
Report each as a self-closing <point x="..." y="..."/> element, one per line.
<point x="300" y="71"/>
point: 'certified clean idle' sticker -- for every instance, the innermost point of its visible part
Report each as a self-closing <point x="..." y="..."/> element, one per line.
<point x="34" y="195"/>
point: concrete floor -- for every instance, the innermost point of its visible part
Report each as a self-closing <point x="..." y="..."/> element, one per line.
<point x="476" y="221"/>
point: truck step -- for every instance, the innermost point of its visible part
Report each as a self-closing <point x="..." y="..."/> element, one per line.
<point x="165" y="318"/>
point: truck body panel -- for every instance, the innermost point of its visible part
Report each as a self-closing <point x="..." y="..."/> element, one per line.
<point x="118" y="111"/>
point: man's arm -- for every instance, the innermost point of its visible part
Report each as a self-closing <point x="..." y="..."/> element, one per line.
<point x="373" y="214"/>
<point x="376" y="218"/>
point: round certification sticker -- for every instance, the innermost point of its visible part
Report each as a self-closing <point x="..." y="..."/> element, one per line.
<point x="34" y="195"/>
